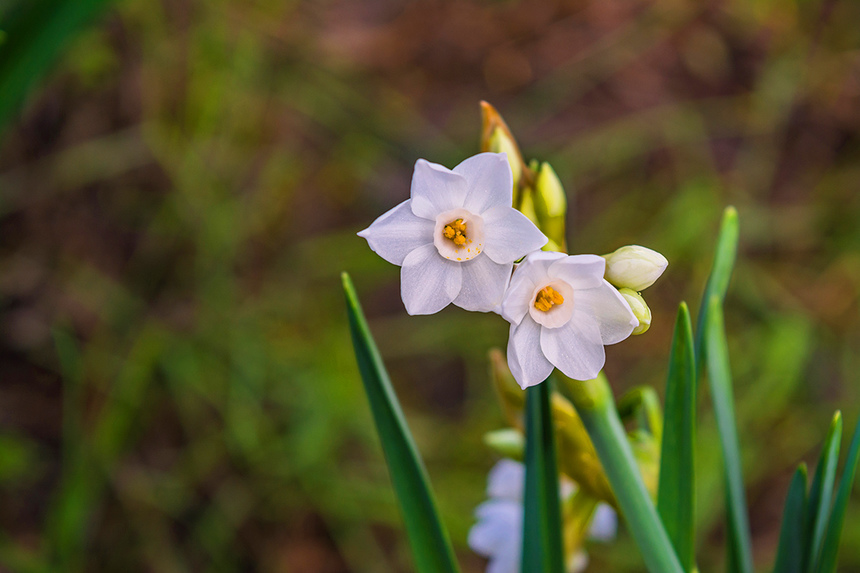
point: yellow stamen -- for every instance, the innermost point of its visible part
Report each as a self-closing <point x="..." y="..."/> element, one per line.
<point x="547" y="298"/>
<point x="455" y="231"/>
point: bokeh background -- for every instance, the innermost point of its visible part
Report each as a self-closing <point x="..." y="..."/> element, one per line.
<point x="181" y="189"/>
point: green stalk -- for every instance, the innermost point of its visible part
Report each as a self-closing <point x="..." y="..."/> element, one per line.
<point x="595" y="405"/>
<point x="542" y="546"/>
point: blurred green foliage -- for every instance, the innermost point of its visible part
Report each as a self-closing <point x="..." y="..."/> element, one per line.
<point x="178" y="199"/>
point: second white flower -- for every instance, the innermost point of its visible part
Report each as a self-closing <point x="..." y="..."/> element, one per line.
<point x="562" y="312"/>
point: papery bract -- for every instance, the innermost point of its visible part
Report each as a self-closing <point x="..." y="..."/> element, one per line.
<point x="457" y="237"/>
<point x="562" y="312"/>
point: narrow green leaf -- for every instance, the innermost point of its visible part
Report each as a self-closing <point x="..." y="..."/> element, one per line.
<point x="820" y="494"/>
<point x="721" y="272"/>
<point x="676" y="498"/>
<point x="720" y="378"/>
<point x="428" y="538"/>
<point x="789" y="555"/>
<point x="34" y="35"/>
<point x="827" y="563"/>
<point x="542" y="547"/>
<point x="596" y="407"/>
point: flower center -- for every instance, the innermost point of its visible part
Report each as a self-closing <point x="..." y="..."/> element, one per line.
<point x="458" y="235"/>
<point x="455" y="231"/>
<point x="547" y="298"/>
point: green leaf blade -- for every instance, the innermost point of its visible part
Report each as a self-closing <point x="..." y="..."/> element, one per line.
<point x="722" y="394"/>
<point x="721" y="272"/>
<point x="820" y="494"/>
<point x="676" y="489"/>
<point x="840" y="505"/>
<point x="542" y="546"/>
<point x="35" y="33"/>
<point x="789" y="554"/>
<point x="428" y="538"/>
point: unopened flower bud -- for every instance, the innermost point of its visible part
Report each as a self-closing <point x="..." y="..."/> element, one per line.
<point x="508" y="443"/>
<point x="639" y="307"/>
<point x="527" y="206"/>
<point x="500" y="143"/>
<point x="497" y="137"/>
<point x="634" y="267"/>
<point x="550" y="203"/>
<point x="550" y="198"/>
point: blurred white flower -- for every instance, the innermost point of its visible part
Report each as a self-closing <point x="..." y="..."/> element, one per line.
<point x="457" y="237"/>
<point x="562" y="312"/>
<point x="634" y="267"/>
<point x="498" y="533"/>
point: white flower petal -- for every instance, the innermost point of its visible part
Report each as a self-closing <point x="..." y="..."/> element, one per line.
<point x="527" y="362"/>
<point x="524" y="281"/>
<point x="604" y="523"/>
<point x="397" y="233"/>
<point x="579" y="271"/>
<point x="538" y="263"/>
<point x="428" y="283"/>
<point x="498" y="522"/>
<point x="517" y="299"/>
<point x="508" y="559"/>
<point x="490" y="182"/>
<point x="612" y="313"/>
<point x="435" y="189"/>
<point x="575" y="348"/>
<point x="507" y="480"/>
<point x="484" y="284"/>
<point x="510" y="235"/>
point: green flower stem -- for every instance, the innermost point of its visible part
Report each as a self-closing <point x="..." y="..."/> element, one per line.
<point x="595" y="405"/>
<point x="542" y="545"/>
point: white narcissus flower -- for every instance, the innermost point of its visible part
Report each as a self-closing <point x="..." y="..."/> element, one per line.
<point x="498" y="533"/>
<point x="562" y="312"/>
<point x="457" y="237"/>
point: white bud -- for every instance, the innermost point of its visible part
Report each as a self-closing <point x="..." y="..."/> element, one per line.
<point x="639" y="307"/>
<point x="634" y="267"/>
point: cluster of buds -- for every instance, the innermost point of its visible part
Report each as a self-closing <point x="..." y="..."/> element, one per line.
<point x="540" y="196"/>
<point x="538" y="192"/>
<point x="632" y="269"/>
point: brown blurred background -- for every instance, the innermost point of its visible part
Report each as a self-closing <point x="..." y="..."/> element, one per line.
<point x="179" y="195"/>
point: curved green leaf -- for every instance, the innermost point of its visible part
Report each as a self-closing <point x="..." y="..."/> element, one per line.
<point x="34" y="34"/>
<point x="542" y="547"/>
<point x="428" y="538"/>
<point x="837" y="516"/>
<point x="721" y="272"/>
<point x="820" y="494"/>
<point x="676" y="498"/>
<point x="720" y="378"/>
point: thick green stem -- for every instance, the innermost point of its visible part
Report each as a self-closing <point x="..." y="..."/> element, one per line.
<point x="542" y="546"/>
<point x="595" y="405"/>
